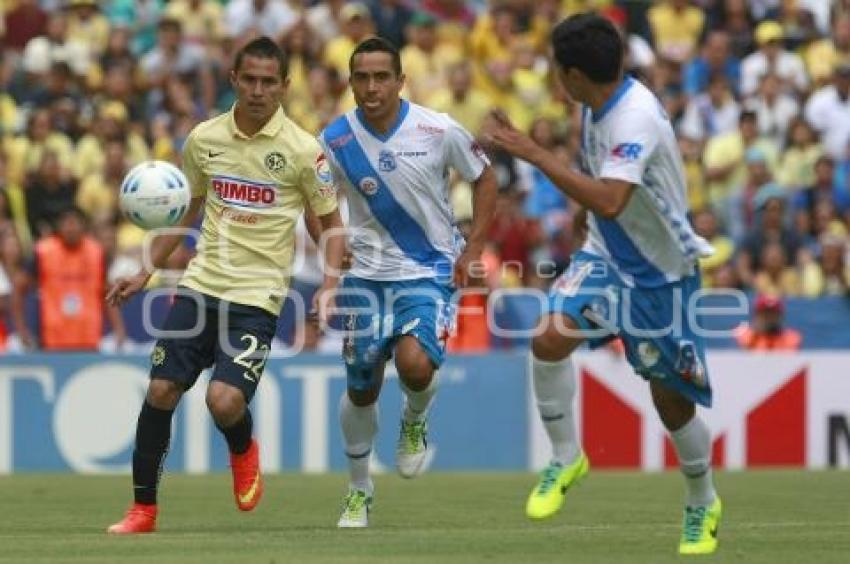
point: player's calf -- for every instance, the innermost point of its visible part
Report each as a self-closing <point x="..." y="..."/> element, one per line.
<point x="233" y="419"/>
<point x="419" y="384"/>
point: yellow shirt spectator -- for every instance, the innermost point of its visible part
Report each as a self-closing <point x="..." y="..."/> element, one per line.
<point x="570" y="7"/>
<point x="724" y="248"/>
<point x="24" y="155"/>
<point x="201" y="20"/>
<point x="356" y="26"/>
<point x="426" y="72"/>
<point x="337" y="53"/>
<point x="318" y="106"/>
<point x="87" y="25"/>
<point x="469" y="111"/>
<point x="822" y="56"/>
<point x="492" y="37"/>
<point x="8" y="115"/>
<point x="90" y="156"/>
<point x="796" y="169"/>
<point x="97" y="196"/>
<point x="728" y="150"/>
<point x="676" y="28"/>
<point x="786" y="283"/>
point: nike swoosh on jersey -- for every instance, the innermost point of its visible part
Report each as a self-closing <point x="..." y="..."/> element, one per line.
<point x="252" y="491"/>
<point x="214" y="155"/>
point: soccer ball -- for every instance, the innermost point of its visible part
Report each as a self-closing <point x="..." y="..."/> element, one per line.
<point x="155" y="194"/>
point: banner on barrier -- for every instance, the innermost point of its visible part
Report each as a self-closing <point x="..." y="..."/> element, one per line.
<point x="78" y="413"/>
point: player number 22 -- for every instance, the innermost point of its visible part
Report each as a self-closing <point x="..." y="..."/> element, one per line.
<point x="247" y="359"/>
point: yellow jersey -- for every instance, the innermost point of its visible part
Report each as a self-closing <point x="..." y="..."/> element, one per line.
<point x="255" y="189"/>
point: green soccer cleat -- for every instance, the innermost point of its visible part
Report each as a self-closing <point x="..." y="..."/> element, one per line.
<point x="699" y="530"/>
<point x="355" y="509"/>
<point x="548" y="495"/>
<point x="412" y="448"/>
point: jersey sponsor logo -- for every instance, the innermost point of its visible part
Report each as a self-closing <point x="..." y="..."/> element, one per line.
<point x="627" y="151"/>
<point x="386" y="161"/>
<point x="341" y="141"/>
<point x="244" y="192"/>
<point x="429" y="128"/>
<point x="369" y="186"/>
<point x="323" y="171"/>
<point x="237" y="216"/>
<point x="215" y="154"/>
<point x="275" y="161"/>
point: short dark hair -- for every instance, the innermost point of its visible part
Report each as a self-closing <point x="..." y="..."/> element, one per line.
<point x="377" y="45"/>
<point x="263" y="48"/>
<point x="591" y="44"/>
<point x="70" y="210"/>
<point x="748" y="114"/>
<point x="170" y="23"/>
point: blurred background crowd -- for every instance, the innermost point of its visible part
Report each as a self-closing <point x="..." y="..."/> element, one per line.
<point x="758" y="90"/>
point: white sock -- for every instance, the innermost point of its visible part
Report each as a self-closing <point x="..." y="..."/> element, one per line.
<point x="693" y="447"/>
<point x="359" y="427"/>
<point x="555" y="388"/>
<point x="416" y="404"/>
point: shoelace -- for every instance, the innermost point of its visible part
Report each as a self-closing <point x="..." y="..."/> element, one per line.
<point x="354" y="502"/>
<point x="548" y="478"/>
<point x="413" y="435"/>
<point x="694" y="517"/>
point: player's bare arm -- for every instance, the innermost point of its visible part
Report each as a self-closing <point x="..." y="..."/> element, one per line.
<point x="484" y="193"/>
<point x="605" y="197"/>
<point x="332" y="242"/>
<point x="161" y="248"/>
<point x="313" y="224"/>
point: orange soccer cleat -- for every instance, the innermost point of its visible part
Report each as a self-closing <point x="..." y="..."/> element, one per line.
<point x="247" y="480"/>
<point x="138" y="519"/>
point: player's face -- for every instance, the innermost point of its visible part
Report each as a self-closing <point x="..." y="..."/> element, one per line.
<point x="375" y="84"/>
<point x="71" y="229"/>
<point x="259" y="86"/>
<point x="573" y="84"/>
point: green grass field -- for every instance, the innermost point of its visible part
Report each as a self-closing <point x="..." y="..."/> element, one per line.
<point x="774" y="517"/>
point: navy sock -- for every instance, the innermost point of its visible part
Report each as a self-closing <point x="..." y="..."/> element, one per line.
<point x="153" y="435"/>
<point x="238" y="436"/>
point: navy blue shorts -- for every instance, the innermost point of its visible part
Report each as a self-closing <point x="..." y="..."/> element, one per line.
<point x="660" y="337"/>
<point x="234" y="338"/>
<point x="379" y="313"/>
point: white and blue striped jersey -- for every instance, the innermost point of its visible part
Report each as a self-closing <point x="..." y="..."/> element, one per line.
<point x="401" y="224"/>
<point x="651" y="242"/>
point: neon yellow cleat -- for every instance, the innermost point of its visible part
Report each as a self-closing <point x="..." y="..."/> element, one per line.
<point x="699" y="530"/>
<point x="548" y="495"/>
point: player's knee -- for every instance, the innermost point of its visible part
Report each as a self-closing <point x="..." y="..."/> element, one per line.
<point x="673" y="409"/>
<point x="226" y="403"/>
<point x="551" y="344"/>
<point x="164" y="394"/>
<point x="364" y="398"/>
<point x="413" y="364"/>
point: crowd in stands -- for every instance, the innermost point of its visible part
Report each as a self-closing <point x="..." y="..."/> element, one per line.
<point x="758" y="90"/>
